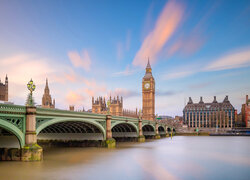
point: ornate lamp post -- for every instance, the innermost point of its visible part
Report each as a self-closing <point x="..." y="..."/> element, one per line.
<point x="31" y="87"/>
<point x="108" y="109"/>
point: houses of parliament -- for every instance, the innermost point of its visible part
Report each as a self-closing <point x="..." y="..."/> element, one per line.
<point x="115" y="105"/>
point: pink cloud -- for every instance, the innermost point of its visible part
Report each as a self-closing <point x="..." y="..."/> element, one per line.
<point x="188" y="45"/>
<point x="74" y="98"/>
<point x="80" y="60"/>
<point x="165" y="26"/>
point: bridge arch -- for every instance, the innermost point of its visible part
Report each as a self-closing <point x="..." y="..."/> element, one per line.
<point x="148" y="127"/>
<point x="148" y="130"/>
<point x="124" y="129"/>
<point x="161" y="130"/>
<point x="88" y="123"/>
<point x="14" y="130"/>
<point x="128" y="123"/>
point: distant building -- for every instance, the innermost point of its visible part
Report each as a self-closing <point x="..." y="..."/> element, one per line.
<point x="4" y="90"/>
<point x="245" y="111"/>
<point x="209" y="115"/>
<point x="47" y="100"/>
<point x="100" y="106"/>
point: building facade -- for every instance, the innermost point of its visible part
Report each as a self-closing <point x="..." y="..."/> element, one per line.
<point x="4" y="88"/>
<point x="100" y="106"/>
<point x="148" y="95"/>
<point x="47" y="100"/>
<point x="209" y="115"/>
<point x="245" y="111"/>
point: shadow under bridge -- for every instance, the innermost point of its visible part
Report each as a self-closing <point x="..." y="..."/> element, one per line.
<point x="71" y="130"/>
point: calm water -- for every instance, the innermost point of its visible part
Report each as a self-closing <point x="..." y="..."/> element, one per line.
<point x="179" y="158"/>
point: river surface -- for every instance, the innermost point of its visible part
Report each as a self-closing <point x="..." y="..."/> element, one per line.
<point x="180" y="158"/>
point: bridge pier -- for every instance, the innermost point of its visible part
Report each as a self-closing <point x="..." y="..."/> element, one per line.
<point x="166" y="130"/>
<point x="157" y="135"/>
<point x="141" y="137"/>
<point x="109" y="142"/>
<point x="31" y="151"/>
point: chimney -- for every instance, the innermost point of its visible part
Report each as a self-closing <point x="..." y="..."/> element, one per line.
<point x="246" y="99"/>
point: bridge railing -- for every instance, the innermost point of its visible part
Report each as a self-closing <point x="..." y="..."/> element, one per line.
<point x="59" y="112"/>
<point x="11" y="108"/>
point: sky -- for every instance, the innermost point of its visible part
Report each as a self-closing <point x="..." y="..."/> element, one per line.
<point x="100" y="48"/>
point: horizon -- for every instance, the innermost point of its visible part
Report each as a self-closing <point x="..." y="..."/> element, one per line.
<point x="84" y="51"/>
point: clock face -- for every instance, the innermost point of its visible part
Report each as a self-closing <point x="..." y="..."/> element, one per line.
<point x="146" y="85"/>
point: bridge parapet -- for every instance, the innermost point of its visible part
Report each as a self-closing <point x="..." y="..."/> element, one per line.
<point x="13" y="109"/>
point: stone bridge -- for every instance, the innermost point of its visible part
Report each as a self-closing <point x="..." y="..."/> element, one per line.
<point x="30" y="124"/>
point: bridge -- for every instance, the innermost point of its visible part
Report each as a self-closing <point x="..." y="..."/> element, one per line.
<point x="32" y="124"/>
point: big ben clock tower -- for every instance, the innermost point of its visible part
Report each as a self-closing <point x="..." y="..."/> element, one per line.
<point x="148" y="95"/>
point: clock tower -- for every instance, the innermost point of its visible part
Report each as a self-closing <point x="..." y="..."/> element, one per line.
<point x="148" y="95"/>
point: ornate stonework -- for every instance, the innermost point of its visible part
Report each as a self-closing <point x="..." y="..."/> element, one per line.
<point x="4" y="90"/>
<point x="148" y="94"/>
<point x="47" y="100"/>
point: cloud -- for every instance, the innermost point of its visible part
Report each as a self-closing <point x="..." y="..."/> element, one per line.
<point x="187" y="45"/>
<point x="233" y="60"/>
<point x="236" y="59"/>
<point x="128" y="71"/>
<point x="165" y="26"/>
<point x="80" y="60"/>
<point x="177" y="75"/>
<point x="74" y="98"/>
<point x="166" y="93"/>
<point x="200" y="85"/>
<point x="124" y="93"/>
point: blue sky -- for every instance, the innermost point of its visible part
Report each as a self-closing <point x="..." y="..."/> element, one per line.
<point x="98" y="48"/>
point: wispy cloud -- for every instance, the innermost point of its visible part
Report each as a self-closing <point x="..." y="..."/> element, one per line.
<point x="75" y="98"/>
<point x="237" y="59"/>
<point x="240" y="58"/>
<point x="128" y="71"/>
<point x="82" y="60"/>
<point x="124" y="93"/>
<point x="177" y="75"/>
<point x="165" y="26"/>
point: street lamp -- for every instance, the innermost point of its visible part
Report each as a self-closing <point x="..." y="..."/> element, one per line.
<point x="31" y="87"/>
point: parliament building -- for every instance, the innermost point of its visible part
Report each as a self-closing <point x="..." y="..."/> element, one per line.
<point x="100" y="106"/>
<point x="4" y="90"/>
<point x="209" y="115"/>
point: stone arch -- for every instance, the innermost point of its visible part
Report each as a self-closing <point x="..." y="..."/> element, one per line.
<point x="127" y="123"/>
<point x="148" y="126"/>
<point x="61" y="120"/>
<point x="14" y="130"/>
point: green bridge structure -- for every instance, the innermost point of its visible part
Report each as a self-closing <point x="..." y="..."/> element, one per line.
<point x="32" y="124"/>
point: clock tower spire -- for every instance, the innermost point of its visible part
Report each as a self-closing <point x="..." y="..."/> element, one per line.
<point x="148" y="94"/>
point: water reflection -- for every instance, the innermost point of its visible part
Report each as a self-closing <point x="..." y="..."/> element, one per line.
<point x="179" y="158"/>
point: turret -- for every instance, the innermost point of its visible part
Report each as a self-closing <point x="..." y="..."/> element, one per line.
<point x="214" y="101"/>
<point x="201" y="100"/>
<point x="190" y="101"/>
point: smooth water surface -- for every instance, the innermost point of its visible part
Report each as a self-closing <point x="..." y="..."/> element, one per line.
<point x="180" y="158"/>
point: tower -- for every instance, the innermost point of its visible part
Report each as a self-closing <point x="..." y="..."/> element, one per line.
<point x="148" y="94"/>
<point x="47" y="100"/>
<point x="4" y="90"/>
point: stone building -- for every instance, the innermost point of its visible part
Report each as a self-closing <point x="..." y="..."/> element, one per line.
<point x="209" y="115"/>
<point x="245" y="111"/>
<point x="148" y="95"/>
<point x="100" y="106"/>
<point x="4" y="90"/>
<point x="47" y="100"/>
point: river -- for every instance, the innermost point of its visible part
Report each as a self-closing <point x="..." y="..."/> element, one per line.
<point x="182" y="157"/>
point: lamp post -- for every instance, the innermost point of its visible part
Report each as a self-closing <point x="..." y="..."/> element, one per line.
<point x="31" y="87"/>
